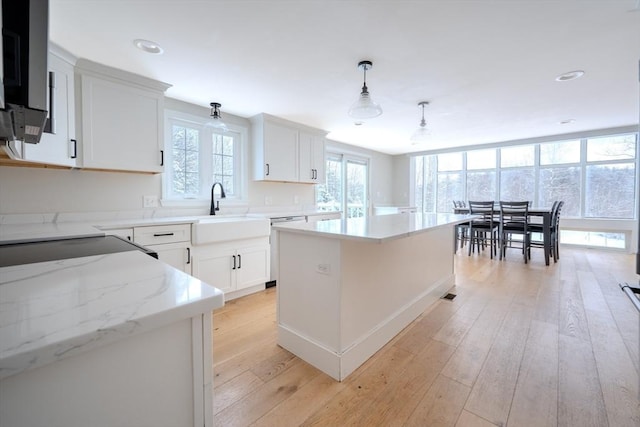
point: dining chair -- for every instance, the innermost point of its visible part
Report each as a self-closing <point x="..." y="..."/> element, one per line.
<point x="514" y="219"/>
<point x="483" y="229"/>
<point x="461" y="229"/>
<point x="554" y="243"/>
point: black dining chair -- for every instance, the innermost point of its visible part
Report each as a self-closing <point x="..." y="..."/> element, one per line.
<point x="514" y="220"/>
<point x="461" y="230"/>
<point x="554" y="243"/>
<point x="483" y="229"/>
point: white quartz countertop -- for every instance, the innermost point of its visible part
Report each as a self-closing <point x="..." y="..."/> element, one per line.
<point x="375" y="228"/>
<point x="35" y="232"/>
<point x="55" y="309"/>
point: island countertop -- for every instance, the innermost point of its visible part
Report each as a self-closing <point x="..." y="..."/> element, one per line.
<point x="378" y="228"/>
<point x="51" y="310"/>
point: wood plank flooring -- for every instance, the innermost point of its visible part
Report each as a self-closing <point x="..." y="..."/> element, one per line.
<point x="520" y="345"/>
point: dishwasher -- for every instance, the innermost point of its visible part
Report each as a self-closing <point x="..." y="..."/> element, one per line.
<point x="274" y="245"/>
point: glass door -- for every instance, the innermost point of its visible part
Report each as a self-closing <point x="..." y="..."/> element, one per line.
<point x="356" y="188"/>
<point x="346" y="188"/>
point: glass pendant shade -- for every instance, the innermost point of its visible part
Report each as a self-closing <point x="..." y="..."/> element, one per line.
<point x="422" y="134"/>
<point x="216" y="118"/>
<point x="365" y="107"/>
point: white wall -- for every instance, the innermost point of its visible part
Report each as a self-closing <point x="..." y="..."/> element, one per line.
<point x="35" y="190"/>
<point x="402" y="185"/>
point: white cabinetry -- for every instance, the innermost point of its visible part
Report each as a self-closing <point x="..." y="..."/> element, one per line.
<point x="286" y="151"/>
<point x="171" y="242"/>
<point x="312" y="160"/>
<point x="233" y="266"/>
<point x="58" y="146"/>
<point x="112" y="385"/>
<point x="121" y="124"/>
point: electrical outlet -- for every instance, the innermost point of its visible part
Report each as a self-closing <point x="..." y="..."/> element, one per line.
<point x="324" y="269"/>
<point x="296" y="200"/>
<point x="149" y="201"/>
<point x="268" y="200"/>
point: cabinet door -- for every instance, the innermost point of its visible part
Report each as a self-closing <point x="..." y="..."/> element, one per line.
<point x="121" y="126"/>
<point x="318" y="159"/>
<point x="311" y="149"/>
<point x="307" y="170"/>
<point x="215" y="267"/>
<point x="175" y="254"/>
<point x="253" y="266"/>
<point x="60" y="147"/>
<point x="280" y="152"/>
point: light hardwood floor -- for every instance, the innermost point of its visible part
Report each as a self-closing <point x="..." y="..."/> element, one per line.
<point x="520" y="345"/>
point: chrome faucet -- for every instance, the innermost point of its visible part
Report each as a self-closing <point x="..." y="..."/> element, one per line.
<point x="216" y="207"/>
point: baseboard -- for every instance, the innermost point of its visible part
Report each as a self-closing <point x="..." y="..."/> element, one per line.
<point x="339" y="365"/>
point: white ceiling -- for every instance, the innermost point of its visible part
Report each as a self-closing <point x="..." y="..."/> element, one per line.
<point x="487" y="67"/>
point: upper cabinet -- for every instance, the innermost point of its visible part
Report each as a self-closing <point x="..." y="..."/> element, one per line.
<point x="58" y="145"/>
<point x="286" y="151"/>
<point x="311" y="157"/>
<point x="121" y="119"/>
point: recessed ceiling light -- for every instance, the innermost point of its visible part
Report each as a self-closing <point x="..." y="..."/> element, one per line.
<point x="566" y="122"/>
<point x="571" y="75"/>
<point x="148" y="46"/>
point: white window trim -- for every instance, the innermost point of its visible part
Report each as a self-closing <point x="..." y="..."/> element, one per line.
<point x="241" y="198"/>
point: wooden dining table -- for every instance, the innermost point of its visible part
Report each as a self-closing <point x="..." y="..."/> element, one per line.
<point x="540" y="212"/>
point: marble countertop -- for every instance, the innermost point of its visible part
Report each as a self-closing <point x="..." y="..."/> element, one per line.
<point x="36" y="232"/>
<point x="51" y="230"/>
<point x="375" y="228"/>
<point x="52" y="310"/>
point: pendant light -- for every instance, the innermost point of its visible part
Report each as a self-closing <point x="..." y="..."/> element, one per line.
<point x="422" y="133"/>
<point x="216" y="118"/>
<point x="365" y="107"/>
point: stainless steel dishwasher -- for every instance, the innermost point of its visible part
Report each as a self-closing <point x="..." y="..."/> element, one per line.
<point x="274" y="245"/>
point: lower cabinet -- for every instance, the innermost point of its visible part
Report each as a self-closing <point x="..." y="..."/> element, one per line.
<point x="157" y="378"/>
<point x="177" y="255"/>
<point x="171" y="242"/>
<point x="233" y="266"/>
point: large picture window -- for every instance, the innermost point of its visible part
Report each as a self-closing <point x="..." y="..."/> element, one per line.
<point x="595" y="177"/>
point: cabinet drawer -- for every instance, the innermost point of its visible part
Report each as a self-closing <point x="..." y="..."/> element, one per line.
<point x="160" y="234"/>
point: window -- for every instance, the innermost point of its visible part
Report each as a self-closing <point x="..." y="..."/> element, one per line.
<point x="200" y="156"/>
<point x="560" y="177"/>
<point x="610" y="177"/>
<point x="595" y="177"/>
<point x="449" y="181"/>
<point x="329" y="195"/>
<point x="517" y="175"/>
<point x="346" y="188"/>
<point x="481" y="174"/>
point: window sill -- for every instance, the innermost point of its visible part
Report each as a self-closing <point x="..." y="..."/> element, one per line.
<point x="197" y="203"/>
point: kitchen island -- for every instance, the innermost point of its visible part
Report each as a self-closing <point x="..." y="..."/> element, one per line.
<point x="347" y="287"/>
<point x="104" y="340"/>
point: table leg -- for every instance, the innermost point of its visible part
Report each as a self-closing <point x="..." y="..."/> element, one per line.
<point x="546" y="227"/>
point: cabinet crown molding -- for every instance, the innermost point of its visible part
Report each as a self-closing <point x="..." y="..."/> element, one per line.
<point x="87" y="67"/>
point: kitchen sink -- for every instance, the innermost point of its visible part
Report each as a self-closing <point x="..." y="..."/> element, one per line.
<point x="216" y="229"/>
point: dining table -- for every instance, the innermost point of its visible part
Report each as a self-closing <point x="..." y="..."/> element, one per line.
<point x="536" y="212"/>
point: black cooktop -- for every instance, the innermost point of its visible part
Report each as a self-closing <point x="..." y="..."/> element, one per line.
<point x="53" y="250"/>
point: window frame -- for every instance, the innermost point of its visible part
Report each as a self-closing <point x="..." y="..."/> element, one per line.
<point x="205" y="163"/>
<point x="583" y="164"/>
